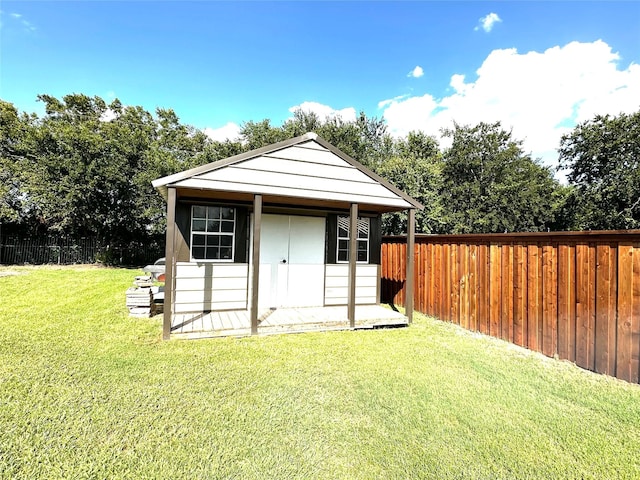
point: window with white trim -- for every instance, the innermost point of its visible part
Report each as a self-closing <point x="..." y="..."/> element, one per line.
<point x="213" y="232"/>
<point x="362" y="239"/>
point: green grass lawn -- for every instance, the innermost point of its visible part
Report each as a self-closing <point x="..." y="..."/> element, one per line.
<point x="87" y="392"/>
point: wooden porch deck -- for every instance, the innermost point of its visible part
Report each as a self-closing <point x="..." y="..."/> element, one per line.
<point x="282" y="320"/>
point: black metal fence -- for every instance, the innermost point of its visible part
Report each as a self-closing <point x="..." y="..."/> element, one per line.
<point x="39" y="250"/>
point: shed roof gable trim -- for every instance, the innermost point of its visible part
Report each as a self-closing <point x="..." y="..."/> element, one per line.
<point x="300" y="167"/>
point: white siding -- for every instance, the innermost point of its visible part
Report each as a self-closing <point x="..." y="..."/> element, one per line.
<point x="337" y="280"/>
<point x="364" y="186"/>
<point x="352" y="197"/>
<point x="203" y="286"/>
<point x="304" y="168"/>
<point x="299" y="171"/>
<point x="302" y="152"/>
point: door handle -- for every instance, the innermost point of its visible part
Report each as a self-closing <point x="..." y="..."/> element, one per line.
<point x="284" y="260"/>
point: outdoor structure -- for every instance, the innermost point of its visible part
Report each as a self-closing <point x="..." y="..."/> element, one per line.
<point x="263" y="241"/>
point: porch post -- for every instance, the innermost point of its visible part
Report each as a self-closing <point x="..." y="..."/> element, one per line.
<point x="353" y="258"/>
<point x="255" y="268"/>
<point x="411" y="230"/>
<point x="169" y="262"/>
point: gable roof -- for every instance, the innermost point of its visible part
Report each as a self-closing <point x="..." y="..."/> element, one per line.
<point x="303" y="167"/>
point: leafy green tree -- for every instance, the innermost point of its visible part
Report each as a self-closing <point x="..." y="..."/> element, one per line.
<point x="89" y="166"/>
<point x="602" y="157"/>
<point x="491" y="185"/>
<point x="85" y="167"/>
<point x="14" y="131"/>
<point x="260" y="134"/>
<point x="415" y="168"/>
<point x="81" y="177"/>
<point x="364" y="139"/>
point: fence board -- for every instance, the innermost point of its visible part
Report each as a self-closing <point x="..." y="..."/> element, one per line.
<point x="566" y="302"/>
<point x="463" y="272"/>
<point x="625" y="312"/>
<point x="533" y="295"/>
<point x="440" y="294"/>
<point x="584" y="306"/>
<point x="549" y="301"/>
<point x="520" y="295"/>
<point x="473" y="288"/>
<point x="635" y="319"/>
<point x="430" y="278"/>
<point x="483" y="289"/>
<point x="495" y="291"/>
<point x="506" y="285"/>
<point x="605" y="314"/>
<point x="455" y="283"/>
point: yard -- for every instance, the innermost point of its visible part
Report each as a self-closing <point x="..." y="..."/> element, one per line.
<point x="87" y="392"/>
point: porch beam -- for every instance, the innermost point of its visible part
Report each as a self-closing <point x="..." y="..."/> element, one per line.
<point x="255" y="267"/>
<point x="169" y="263"/>
<point x="411" y="245"/>
<point x="353" y="258"/>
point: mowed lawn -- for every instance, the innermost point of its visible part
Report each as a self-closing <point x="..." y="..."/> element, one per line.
<point x="88" y="392"/>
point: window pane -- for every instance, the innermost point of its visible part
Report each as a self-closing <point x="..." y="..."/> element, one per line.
<point x="199" y="212"/>
<point x="198" y="239"/>
<point x="212" y="232"/>
<point x="227" y="213"/>
<point x="227" y="226"/>
<point x="199" y="225"/>
<point x="343" y="245"/>
<point x="213" y="226"/>
<point x="343" y="255"/>
<point x="343" y="226"/>
<point x="214" y="212"/>
<point x="363" y="248"/>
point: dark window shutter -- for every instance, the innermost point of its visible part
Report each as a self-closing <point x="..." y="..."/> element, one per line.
<point x="375" y="240"/>
<point x="242" y="235"/>
<point x="332" y="238"/>
<point x="183" y="222"/>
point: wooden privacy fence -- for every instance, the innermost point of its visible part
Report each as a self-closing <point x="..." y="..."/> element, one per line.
<point x="571" y="294"/>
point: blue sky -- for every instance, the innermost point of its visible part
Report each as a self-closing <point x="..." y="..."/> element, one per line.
<point x="538" y="67"/>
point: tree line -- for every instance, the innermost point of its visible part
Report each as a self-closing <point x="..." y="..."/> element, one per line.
<point x="84" y="168"/>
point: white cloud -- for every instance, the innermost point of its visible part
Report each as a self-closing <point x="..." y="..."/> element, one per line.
<point x="324" y="111"/>
<point x="28" y="26"/>
<point x="416" y="72"/>
<point x="539" y="95"/>
<point x="487" y="23"/>
<point x="230" y="131"/>
<point x="384" y="103"/>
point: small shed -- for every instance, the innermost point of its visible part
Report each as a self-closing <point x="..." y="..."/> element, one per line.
<point x="293" y="225"/>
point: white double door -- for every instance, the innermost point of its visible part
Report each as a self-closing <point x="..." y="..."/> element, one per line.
<point x="292" y="253"/>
